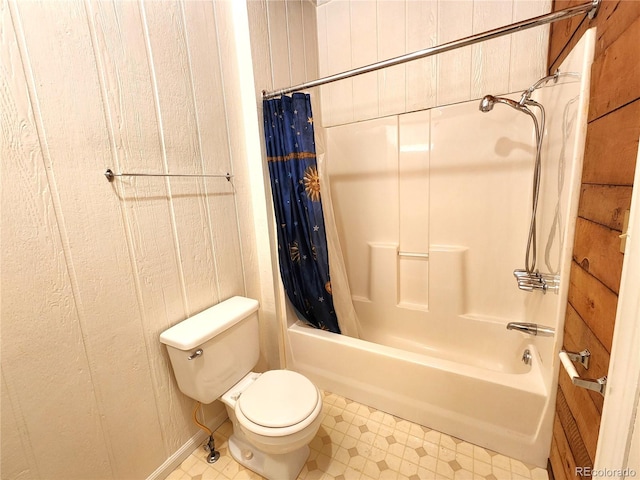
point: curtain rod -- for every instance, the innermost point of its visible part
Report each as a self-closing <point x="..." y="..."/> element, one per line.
<point x="591" y="8"/>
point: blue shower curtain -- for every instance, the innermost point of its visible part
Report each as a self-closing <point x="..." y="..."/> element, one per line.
<point x="295" y="185"/>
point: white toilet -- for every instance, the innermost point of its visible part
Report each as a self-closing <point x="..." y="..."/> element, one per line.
<point x="275" y="415"/>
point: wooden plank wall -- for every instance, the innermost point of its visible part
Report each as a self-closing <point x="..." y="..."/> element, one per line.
<point x="609" y="165"/>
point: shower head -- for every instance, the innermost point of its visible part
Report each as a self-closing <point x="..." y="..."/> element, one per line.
<point x="487" y="103"/>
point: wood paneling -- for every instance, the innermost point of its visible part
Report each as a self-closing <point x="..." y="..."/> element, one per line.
<point x="609" y="165"/>
<point x="562" y="461"/>
<point x="611" y="147"/>
<point x="594" y="302"/>
<point x="563" y="34"/>
<point x="555" y="464"/>
<point x="580" y="419"/>
<point x="576" y="446"/>
<point x="597" y="250"/>
<point x="605" y="204"/>
<point x="614" y="17"/>
<point x="617" y="73"/>
<point x="577" y="337"/>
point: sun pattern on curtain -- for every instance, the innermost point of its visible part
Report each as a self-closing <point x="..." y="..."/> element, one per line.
<point x="295" y="185"/>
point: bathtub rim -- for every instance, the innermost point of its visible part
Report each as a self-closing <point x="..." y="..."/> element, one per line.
<point x="524" y="445"/>
<point x="521" y="381"/>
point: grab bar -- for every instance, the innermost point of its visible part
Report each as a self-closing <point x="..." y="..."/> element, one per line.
<point x="532" y="329"/>
<point x="597" y="385"/>
<point x="413" y="254"/>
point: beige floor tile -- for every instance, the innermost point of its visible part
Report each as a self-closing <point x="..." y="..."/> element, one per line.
<point x="463" y="475"/>
<point x="520" y="468"/>
<point x="393" y="462"/>
<point x="501" y="461"/>
<point x="447" y="442"/>
<point x="465" y="448"/>
<point x="176" y="475"/>
<point x="515" y="476"/>
<point x="357" y="442"/>
<point x="433" y="437"/>
<point x="211" y="474"/>
<point x="425" y="474"/>
<point x="482" y="468"/>
<point x="446" y="455"/>
<point x="429" y="462"/>
<point x="444" y="470"/>
<point x="539" y="474"/>
<point x="465" y="462"/>
<point x="500" y="474"/>
<point x="481" y="454"/>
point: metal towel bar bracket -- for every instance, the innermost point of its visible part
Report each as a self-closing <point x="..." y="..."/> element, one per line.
<point x="581" y="357"/>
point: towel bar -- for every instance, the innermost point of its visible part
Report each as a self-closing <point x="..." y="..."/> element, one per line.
<point x="597" y="385"/>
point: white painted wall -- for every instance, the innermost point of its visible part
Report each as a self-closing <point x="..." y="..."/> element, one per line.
<point x="353" y="33"/>
<point x="92" y="272"/>
<point x="284" y="52"/>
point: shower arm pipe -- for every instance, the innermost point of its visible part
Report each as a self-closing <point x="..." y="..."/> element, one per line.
<point x="590" y="8"/>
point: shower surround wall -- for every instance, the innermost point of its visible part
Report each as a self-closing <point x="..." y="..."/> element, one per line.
<point x="433" y="209"/>
<point x="429" y="213"/>
<point x="353" y="33"/>
<point x="92" y="272"/>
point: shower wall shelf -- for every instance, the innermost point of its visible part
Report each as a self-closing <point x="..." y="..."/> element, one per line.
<point x="413" y="254"/>
<point x="111" y="175"/>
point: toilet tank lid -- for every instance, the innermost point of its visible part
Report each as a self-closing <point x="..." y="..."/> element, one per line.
<point x="203" y="326"/>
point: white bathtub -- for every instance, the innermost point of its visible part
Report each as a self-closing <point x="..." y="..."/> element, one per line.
<point x="487" y="397"/>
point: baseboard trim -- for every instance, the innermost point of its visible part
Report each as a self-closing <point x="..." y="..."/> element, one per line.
<point x="185" y="450"/>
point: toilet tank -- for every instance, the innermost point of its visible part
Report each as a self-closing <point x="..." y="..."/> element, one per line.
<point x="227" y="336"/>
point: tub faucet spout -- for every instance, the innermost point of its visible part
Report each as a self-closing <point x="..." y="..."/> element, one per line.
<point x="531" y="329"/>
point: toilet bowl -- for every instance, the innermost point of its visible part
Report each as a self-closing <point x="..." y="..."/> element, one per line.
<point x="277" y="411"/>
<point x="275" y="414"/>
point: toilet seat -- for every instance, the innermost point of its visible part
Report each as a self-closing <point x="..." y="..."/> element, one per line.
<point x="278" y="403"/>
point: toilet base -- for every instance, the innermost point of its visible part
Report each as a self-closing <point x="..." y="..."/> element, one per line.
<point x="286" y="466"/>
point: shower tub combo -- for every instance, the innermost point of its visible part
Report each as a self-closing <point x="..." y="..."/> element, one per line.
<point x="496" y="400"/>
<point x="448" y="361"/>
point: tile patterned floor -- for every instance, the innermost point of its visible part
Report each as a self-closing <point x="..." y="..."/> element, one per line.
<point x="356" y="442"/>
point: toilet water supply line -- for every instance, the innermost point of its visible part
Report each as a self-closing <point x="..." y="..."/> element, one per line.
<point x="210" y="446"/>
